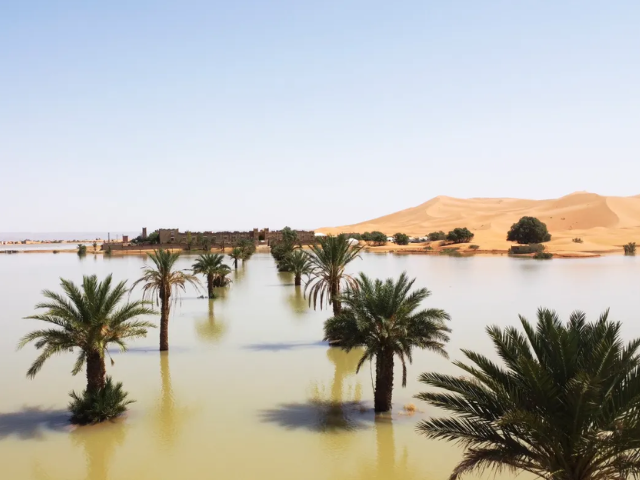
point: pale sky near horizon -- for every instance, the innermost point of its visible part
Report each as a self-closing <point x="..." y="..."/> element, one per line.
<point x="241" y="114"/>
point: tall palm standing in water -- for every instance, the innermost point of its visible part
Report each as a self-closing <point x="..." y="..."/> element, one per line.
<point x="210" y="265"/>
<point x="563" y="404"/>
<point x="383" y="317"/>
<point x="298" y="263"/>
<point x="88" y="318"/>
<point x="163" y="280"/>
<point x="328" y="260"/>
<point x="237" y="254"/>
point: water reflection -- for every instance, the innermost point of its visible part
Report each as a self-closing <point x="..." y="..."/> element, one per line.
<point x="335" y="412"/>
<point x="286" y="278"/>
<point x="239" y="274"/>
<point x="171" y="418"/>
<point x="99" y="443"/>
<point x="387" y="464"/>
<point x="297" y="302"/>
<point x="210" y="329"/>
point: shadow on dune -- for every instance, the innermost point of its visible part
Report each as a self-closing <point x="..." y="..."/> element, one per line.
<point x="32" y="422"/>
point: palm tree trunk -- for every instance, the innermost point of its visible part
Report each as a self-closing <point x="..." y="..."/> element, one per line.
<point x="335" y="293"/>
<point x="165" y="298"/>
<point x="210" y="284"/>
<point x="95" y="372"/>
<point x="384" y="382"/>
<point x="298" y="280"/>
<point x="235" y="263"/>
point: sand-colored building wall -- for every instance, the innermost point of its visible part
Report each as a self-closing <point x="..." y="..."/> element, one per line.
<point x="175" y="236"/>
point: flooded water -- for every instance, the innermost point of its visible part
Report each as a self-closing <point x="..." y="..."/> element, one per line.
<point x="248" y="391"/>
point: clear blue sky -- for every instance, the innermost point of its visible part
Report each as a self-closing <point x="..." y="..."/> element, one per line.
<point x="235" y="114"/>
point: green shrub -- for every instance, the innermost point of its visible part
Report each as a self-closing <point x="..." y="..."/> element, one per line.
<point x="525" y="249"/>
<point x="377" y="238"/>
<point x="401" y="239"/>
<point x="630" y="248"/>
<point x="105" y="404"/>
<point x="474" y="247"/>
<point x="451" y="251"/>
<point x="56" y="251"/>
<point x="82" y="250"/>
<point x="460" y="235"/>
<point x="428" y="247"/>
<point x="434" y="236"/>
<point x="543" y="255"/>
<point x="577" y="240"/>
<point x="528" y="230"/>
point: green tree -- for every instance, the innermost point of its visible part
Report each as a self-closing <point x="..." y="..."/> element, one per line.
<point x="87" y="318"/>
<point x="460" y="235"/>
<point x="401" y="239"/>
<point x="282" y="248"/>
<point x="383" y="318"/>
<point x="328" y="260"/>
<point x="435" y="236"/>
<point x="562" y="405"/>
<point x="248" y="248"/>
<point x="236" y="254"/>
<point x="162" y="280"/>
<point x="630" y="248"/>
<point x="154" y="238"/>
<point x="528" y="230"/>
<point x="299" y="263"/>
<point x="377" y="238"/>
<point x="189" y="240"/>
<point x="95" y="247"/>
<point x="211" y="266"/>
<point x="289" y="236"/>
<point x="82" y="250"/>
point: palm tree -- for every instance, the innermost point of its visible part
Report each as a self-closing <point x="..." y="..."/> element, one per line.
<point x="162" y="280"/>
<point x="299" y="264"/>
<point x="237" y="254"/>
<point x="328" y="261"/>
<point x="210" y="265"/>
<point x="382" y="318"/>
<point x="563" y="405"/>
<point x="87" y="318"/>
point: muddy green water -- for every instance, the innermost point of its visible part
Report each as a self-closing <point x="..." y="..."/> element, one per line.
<point x="248" y="391"/>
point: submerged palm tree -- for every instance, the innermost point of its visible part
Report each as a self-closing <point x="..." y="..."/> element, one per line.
<point x="383" y="318"/>
<point x="163" y="280"/>
<point x="210" y="265"/>
<point x="89" y="318"/>
<point x="237" y="254"/>
<point x="565" y="404"/>
<point x="328" y="261"/>
<point x="298" y="263"/>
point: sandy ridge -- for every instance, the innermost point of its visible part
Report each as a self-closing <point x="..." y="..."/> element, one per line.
<point x="603" y="223"/>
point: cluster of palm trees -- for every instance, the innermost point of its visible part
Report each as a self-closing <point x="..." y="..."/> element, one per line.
<point x="563" y="403"/>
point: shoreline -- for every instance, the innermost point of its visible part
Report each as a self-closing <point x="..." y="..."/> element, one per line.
<point x="415" y="249"/>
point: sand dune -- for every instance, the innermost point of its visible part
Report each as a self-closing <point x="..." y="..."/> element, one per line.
<point x="603" y="223"/>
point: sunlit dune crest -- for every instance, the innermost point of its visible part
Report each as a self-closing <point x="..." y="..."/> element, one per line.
<point x="603" y="223"/>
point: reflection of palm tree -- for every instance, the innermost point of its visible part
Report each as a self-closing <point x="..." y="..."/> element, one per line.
<point x="99" y="443"/>
<point x="297" y="301"/>
<point x="170" y="416"/>
<point x="167" y="402"/>
<point x="387" y="465"/>
<point x="345" y="364"/>
<point x="209" y="329"/>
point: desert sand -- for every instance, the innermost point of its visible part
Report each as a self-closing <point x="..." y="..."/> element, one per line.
<point x="604" y="224"/>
